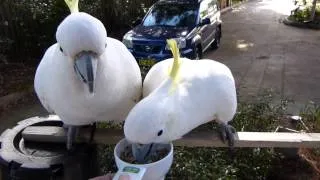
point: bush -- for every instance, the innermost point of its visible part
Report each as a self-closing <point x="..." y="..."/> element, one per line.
<point x="311" y="117"/>
<point x="303" y="12"/>
<point x="31" y="25"/>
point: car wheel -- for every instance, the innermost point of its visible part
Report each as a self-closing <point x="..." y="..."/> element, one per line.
<point x="198" y="53"/>
<point x="216" y="43"/>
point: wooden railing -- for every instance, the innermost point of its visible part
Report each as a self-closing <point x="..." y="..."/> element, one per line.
<point x="193" y="139"/>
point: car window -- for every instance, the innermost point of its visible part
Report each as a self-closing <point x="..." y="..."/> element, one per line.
<point x="204" y="9"/>
<point x="181" y="15"/>
<point x="207" y="7"/>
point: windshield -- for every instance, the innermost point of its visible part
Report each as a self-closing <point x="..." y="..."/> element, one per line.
<point x="181" y="15"/>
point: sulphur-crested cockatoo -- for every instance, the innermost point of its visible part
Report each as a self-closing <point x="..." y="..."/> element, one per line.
<point x="179" y="95"/>
<point x="86" y="76"/>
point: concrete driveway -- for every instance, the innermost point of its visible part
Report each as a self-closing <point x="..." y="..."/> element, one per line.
<point x="263" y="53"/>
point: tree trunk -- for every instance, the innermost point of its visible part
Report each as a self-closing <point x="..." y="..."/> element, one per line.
<point x="313" y="10"/>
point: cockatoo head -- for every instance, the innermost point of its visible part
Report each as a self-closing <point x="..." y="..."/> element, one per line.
<point x="149" y="122"/>
<point x="82" y="38"/>
<point x="153" y="119"/>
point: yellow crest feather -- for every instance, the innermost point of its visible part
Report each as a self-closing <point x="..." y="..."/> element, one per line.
<point x="176" y="58"/>
<point x="73" y="5"/>
<point x="174" y="73"/>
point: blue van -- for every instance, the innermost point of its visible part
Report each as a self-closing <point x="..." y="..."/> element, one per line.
<point x="195" y="24"/>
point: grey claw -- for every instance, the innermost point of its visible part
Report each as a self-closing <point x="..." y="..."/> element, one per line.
<point x="227" y="133"/>
<point x="223" y="134"/>
<point x="233" y="130"/>
<point x="230" y="135"/>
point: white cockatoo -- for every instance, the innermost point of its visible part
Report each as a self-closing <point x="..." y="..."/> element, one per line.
<point x="86" y="76"/>
<point x="179" y="95"/>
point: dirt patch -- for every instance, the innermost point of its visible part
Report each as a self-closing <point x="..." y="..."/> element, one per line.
<point x="262" y="57"/>
<point x="15" y="78"/>
<point x="28" y="98"/>
<point x="293" y="169"/>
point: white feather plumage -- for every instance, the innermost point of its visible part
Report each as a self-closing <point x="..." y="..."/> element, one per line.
<point x="205" y="91"/>
<point x="117" y="85"/>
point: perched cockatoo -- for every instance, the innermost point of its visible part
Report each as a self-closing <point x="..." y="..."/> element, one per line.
<point x="86" y="76"/>
<point x="179" y="95"/>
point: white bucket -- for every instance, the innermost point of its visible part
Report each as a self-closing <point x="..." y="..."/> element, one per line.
<point x="152" y="171"/>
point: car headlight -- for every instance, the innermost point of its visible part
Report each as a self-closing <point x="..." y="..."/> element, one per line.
<point x="182" y="43"/>
<point x="127" y="40"/>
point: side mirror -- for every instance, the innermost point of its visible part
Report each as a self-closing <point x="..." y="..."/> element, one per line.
<point x="137" y="22"/>
<point x="205" y="22"/>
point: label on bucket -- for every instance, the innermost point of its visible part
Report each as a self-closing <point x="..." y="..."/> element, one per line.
<point x="131" y="169"/>
<point x="130" y="172"/>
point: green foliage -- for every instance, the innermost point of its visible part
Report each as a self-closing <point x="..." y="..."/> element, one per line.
<point x="260" y="115"/>
<point x="28" y="27"/>
<point x="311" y="116"/>
<point x="302" y="15"/>
<point x="216" y="163"/>
<point x="110" y="125"/>
<point x="106" y="161"/>
<point x="303" y="12"/>
<point x="236" y="1"/>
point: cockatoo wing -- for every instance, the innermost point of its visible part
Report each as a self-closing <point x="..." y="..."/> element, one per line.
<point x="42" y="76"/>
<point x="121" y="82"/>
<point x="211" y="90"/>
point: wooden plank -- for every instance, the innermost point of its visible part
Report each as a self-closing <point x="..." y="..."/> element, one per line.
<point x="193" y="139"/>
<point x="44" y="134"/>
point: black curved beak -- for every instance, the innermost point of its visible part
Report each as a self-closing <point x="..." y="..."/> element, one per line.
<point x="141" y="151"/>
<point x="85" y="66"/>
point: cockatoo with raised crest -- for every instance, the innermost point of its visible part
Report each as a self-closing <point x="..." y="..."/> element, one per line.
<point x="180" y="95"/>
<point x="87" y="76"/>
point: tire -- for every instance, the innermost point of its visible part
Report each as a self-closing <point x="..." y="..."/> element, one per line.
<point x="198" y="53"/>
<point x="29" y="161"/>
<point x="216" y="43"/>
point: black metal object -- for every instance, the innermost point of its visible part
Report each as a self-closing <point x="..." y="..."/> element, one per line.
<point x="20" y="160"/>
<point x="14" y="171"/>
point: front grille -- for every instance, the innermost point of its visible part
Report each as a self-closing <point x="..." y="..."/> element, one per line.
<point x="154" y="49"/>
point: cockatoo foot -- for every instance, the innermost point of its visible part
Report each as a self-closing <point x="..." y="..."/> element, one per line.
<point x="92" y="132"/>
<point x="227" y="134"/>
<point x="71" y="136"/>
<point x="141" y="152"/>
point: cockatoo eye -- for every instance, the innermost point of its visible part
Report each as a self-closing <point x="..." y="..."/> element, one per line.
<point x="61" y="49"/>
<point x="160" y="132"/>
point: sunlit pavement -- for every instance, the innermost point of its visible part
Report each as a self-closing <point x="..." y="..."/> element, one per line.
<point x="264" y="53"/>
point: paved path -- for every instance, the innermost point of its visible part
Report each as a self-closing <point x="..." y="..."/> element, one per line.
<point x="264" y="53"/>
